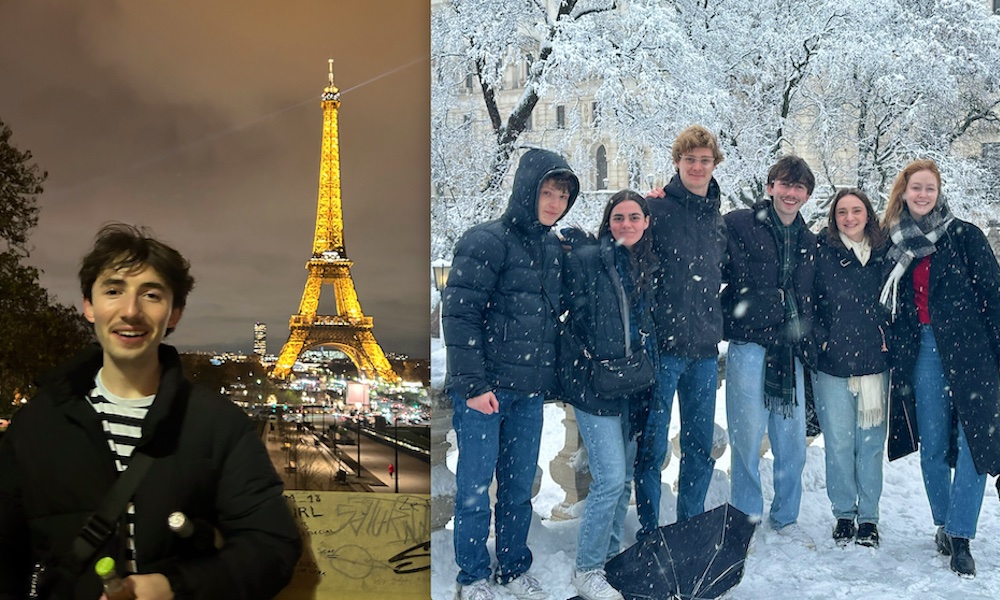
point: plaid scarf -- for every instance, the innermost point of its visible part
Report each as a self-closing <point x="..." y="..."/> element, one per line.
<point x="779" y="360"/>
<point x="912" y="239"/>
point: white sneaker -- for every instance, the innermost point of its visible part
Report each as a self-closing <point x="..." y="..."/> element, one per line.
<point x="795" y="533"/>
<point x="479" y="590"/>
<point x="526" y="587"/>
<point x="593" y="585"/>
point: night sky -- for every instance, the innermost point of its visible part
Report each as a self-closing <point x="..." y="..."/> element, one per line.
<point x="202" y="121"/>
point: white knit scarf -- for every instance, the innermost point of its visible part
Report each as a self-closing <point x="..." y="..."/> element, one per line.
<point x="871" y="398"/>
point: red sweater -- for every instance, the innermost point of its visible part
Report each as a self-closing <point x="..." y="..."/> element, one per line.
<point x="921" y="281"/>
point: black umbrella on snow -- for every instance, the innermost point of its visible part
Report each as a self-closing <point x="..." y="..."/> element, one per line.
<point x="701" y="557"/>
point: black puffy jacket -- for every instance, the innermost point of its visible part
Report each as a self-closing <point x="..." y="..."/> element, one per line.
<point x="850" y="320"/>
<point x="498" y="310"/>
<point x="689" y="237"/>
<point x="595" y="297"/>
<point x="209" y="462"/>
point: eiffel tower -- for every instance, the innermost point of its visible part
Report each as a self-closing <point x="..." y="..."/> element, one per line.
<point x="350" y="331"/>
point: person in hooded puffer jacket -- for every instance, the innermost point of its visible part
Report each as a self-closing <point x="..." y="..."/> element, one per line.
<point x="500" y="329"/>
<point x="851" y="377"/>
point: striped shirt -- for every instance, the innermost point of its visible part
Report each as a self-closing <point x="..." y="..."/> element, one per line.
<point x="121" y="419"/>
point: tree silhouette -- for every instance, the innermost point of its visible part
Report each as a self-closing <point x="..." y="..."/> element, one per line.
<point x="36" y="332"/>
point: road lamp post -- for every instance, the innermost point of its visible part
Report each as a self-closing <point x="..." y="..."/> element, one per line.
<point x="395" y="435"/>
<point x="333" y="434"/>
<point x="441" y="270"/>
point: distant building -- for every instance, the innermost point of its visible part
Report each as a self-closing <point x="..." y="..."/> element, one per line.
<point x="260" y="339"/>
<point x="605" y="170"/>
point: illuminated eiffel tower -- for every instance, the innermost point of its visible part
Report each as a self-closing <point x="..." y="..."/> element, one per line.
<point x="350" y="331"/>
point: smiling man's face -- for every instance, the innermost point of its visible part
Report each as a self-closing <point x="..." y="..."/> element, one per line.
<point x="788" y="199"/>
<point x="131" y="310"/>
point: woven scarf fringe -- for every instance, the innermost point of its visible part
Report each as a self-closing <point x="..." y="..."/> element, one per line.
<point x="890" y="291"/>
<point x="779" y="406"/>
<point x="779" y="381"/>
<point x="871" y="400"/>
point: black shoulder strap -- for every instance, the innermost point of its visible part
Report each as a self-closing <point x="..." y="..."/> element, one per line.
<point x="100" y="525"/>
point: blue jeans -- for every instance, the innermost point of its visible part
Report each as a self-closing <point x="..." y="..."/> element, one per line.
<point x="853" y="455"/>
<point x="695" y="381"/>
<point x="505" y="443"/>
<point x="955" y="501"/>
<point x="748" y="421"/>
<point x="611" y="456"/>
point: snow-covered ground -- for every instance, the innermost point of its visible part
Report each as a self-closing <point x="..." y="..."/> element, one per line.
<point x="905" y="566"/>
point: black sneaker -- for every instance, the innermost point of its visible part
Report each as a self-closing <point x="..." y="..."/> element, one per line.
<point x="942" y="542"/>
<point x="843" y="533"/>
<point x="867" y="535"/>
<point x="961" y="558"/>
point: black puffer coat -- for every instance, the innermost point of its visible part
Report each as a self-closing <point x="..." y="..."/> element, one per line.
<point x="689" y="237"/>
<point x="964" y="305"/>
<point x="601" y="318"/>
<point x="752" y="301"/>
<point x="850" y="320"/>
<point x="209" y="463"/>
<point x="498" y="311"/>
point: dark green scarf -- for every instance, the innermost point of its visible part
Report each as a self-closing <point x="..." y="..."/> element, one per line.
<point x="779" y="360"/>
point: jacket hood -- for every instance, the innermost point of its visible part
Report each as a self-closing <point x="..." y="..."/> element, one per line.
<point x="710" y="202"/>
<point x="76" y="377"/>
<point x="535" y="165"/>
<point x="71" y="382"/>
<point x="823" y="239"/>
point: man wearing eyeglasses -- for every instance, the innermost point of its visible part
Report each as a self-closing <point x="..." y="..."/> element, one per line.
<point x="689" y="237"/>
<point x="768" y="322"/>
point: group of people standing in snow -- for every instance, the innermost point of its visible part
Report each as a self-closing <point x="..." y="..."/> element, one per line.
<point x="896" y="324"/>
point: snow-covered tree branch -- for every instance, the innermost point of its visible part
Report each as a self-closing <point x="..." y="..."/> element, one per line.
<point x="857" y="87"/>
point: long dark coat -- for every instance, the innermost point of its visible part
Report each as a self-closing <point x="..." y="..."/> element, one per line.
<point x="964" y="305"/>
<point x="498" y="311"/>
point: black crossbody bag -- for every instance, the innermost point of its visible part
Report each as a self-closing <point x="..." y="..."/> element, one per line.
<point x="621" y="376"/>
<point x="96" y="530"/>
<point x="611" y="377"/>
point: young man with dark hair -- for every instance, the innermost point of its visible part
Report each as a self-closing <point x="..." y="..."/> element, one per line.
<point x="768" y="309"/>
<point x="689" y="237"/>
<point x="128" y="397"/>
<point x="499" y="318"/>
